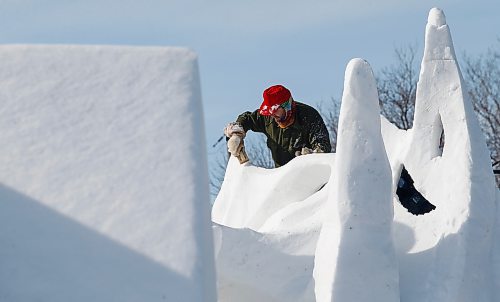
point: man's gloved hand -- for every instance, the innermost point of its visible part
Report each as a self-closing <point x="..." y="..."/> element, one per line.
<point x="303" y="151"/>
<point x="234" y="129"/>
<point x="234" y="145"/>
<point x="318" y="150"/>
<point x="236" y="133"/>
<point x="306" y="151"/>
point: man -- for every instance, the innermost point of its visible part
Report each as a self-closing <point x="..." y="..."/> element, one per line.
<point x="294" y="129"/>
<point x="291" y="128"/>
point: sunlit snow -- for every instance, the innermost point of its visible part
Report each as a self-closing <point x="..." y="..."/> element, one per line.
<point x="103" y="173"/>
<point x="351" y="241"/>
<point x="104" y="189"/>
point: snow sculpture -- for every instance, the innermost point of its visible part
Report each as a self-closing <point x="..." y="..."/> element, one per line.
<point x="453" y="243"/>
<point x="357" y="228"/>
<point x="496" y="250"/>
<point x="266" y="251"/>
<point x="103" y="193"/>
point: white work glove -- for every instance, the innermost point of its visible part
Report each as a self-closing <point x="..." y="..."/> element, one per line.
<point x="234" y="129"/>
<point x="306" y="151"/>
<point x="236" y="133"/>
<point x="233" y="145"/>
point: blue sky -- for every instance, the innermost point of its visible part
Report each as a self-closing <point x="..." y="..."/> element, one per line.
<point x="246" y="46"/>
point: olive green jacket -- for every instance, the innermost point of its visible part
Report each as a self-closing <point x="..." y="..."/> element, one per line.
<point x="308" y="130"/>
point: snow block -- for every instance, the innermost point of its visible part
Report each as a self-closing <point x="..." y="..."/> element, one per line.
<point x="355" y="258"/>
<point x="269" y="222"/>
<point x="451" y="246"/>
<point x="104" y="185"/>
<point x="261" y="266"/>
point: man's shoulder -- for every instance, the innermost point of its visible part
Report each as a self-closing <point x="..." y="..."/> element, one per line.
<point x="306" y="110"/>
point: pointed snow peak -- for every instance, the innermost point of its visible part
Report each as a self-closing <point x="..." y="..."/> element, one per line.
<point x="357" y="63"/>
<point x="436" y="17"/>
<point x="360" y="139"/>
<point x="438" y="42"/>
<point x="358" y="69"/>
<point x="360" y="86"/>
<point x="359" y="202"/>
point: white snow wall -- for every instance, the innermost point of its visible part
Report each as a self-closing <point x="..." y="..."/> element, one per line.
<point x="103" y="175"/>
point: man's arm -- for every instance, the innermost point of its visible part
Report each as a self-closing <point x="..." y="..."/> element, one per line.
<point x="236" y="132"/>
<point x="252" y="121"/>
<point x="319" y="138"/>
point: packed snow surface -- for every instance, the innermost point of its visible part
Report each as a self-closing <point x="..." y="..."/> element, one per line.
<point x="103" y="173"/>
<point x="351" y="240"/>
<point x="280" y="235"/>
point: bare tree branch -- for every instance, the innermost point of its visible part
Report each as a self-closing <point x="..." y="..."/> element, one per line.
<point x="397" y="86"/>
<point x="330" y="113"/>
<point x="483" y="78"/>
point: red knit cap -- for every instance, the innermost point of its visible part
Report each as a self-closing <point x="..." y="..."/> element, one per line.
<point x="274" y="96"/>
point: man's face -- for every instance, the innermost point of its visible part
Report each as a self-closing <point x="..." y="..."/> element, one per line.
<point x="279" y="115"/>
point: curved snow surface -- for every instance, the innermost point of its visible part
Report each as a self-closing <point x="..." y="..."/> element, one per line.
<point x="97" y="200"/>
<point x="280" y="235"/>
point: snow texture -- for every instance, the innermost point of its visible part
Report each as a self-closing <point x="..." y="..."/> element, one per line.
<point x="266" y="240"/>
<point x="453" y="243"/>
<point x="103" y="193"/>
<point x="357" y="229"/>
<point x="280" y="239"/>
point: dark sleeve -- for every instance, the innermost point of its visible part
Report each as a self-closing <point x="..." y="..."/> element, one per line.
<point x="252" y="121"/>
<point x="319" y="138"/>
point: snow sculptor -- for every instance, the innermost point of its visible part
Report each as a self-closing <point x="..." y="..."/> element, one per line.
<point x="292" y="128"/>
